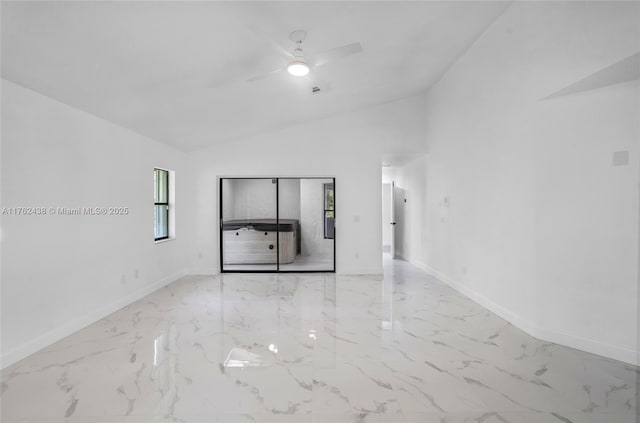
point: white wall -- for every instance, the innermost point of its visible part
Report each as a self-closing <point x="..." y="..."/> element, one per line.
<point x="389" y="174"/>
<point x="347" y="146"/>
<point x="386" y="214"/>
<point x="60" y="273"/>
<point x="541" y="227"/>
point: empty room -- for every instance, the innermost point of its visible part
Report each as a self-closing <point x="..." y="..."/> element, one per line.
<point x="320" y="211"/>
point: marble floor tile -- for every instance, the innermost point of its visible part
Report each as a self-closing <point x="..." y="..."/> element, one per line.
<point x="312" y="348"/>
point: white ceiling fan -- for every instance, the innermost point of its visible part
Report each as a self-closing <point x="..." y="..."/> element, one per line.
<point x="300" y="64"/>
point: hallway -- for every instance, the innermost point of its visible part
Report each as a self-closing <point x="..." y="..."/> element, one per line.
<point x="313" y="348"/>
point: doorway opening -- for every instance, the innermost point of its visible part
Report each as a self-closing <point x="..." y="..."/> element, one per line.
<point x="270" y="225"/>
<point x="388" y="218"/>
<point x="403" y="194"/>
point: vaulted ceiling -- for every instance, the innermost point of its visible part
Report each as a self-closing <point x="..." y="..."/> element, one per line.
<point x="177" y="71"/>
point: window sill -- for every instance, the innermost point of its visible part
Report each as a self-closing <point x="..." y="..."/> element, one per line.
<point x="160" y="241"/>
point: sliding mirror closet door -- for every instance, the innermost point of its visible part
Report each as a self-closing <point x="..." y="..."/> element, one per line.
<point x="289" y="223"/>
<point x="249" y="236"/>
<point x="279" y="224"/>
<point x="306" y="211"/>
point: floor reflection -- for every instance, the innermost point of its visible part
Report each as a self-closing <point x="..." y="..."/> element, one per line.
<point x="313" y="348"/>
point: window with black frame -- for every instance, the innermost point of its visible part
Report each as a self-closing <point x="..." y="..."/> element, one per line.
<point x="161" y="204"/>
<point x="329" y="216"/>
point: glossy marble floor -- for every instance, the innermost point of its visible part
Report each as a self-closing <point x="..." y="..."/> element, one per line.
<point x="313" y="348"/>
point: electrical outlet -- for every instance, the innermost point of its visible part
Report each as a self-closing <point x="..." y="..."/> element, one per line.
<point x="621" y="158"/>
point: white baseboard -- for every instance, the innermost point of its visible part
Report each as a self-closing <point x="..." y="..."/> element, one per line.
<point x="615" y="352"/>
<point x="203" y="271"/>
<point x="399" y="256"/>
<point x="58" y="333"/>
<point x="591" y="346"/>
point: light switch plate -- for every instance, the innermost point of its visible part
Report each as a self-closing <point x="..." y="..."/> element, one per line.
<point x="621" y="158"/>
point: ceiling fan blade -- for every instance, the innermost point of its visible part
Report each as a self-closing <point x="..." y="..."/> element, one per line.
<point x="265" y="75"/>
<point x="337" y="53"/>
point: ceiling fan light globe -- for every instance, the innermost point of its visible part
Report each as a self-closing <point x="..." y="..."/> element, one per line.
<point x="298" y="68"/>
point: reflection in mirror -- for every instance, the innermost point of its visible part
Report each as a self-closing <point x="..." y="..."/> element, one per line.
<point x="285" y="224"/>
<point x="249" y="225"/>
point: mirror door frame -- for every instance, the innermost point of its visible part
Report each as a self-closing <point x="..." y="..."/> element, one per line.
<point x="277" y="183"/>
